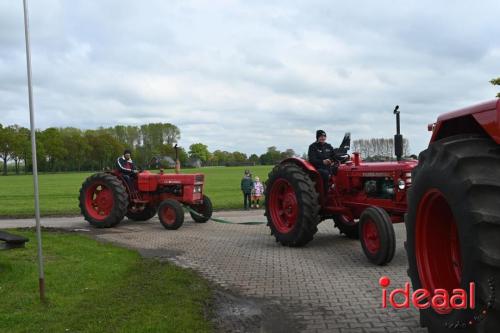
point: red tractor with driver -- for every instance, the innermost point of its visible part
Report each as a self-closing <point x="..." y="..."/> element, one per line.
<point x="449" y="201"/>
<point x="363" y="199"/>
<point x="106" y="198"/>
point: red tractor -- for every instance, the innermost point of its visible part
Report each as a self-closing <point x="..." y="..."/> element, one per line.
<point x="106" y="198"/>
<point x="453" y="220"/>
<point x="363" y="199"/>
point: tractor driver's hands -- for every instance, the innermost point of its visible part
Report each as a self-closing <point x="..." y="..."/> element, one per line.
<point x="327" y="162"/>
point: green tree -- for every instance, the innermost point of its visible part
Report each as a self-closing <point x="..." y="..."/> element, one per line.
<point x="272" y="156"/>
<point x="20" y="145"/>
<point x="200" y="151"/>
<point x="496" y="82"/>
<point x="55" y="152"/>
<point x="287" y="154"/>
<point x="77" y="148"/>
<point x="5" y="146"/>
<point x="254" y="159"/>
<point x="239" y="157"/>
<point x="221" y="157"/>
<point x="105" y="149"/>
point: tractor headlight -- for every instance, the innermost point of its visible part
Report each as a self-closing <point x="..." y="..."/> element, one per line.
<point x="401" y="184"/>
<point x="197" y="189"/>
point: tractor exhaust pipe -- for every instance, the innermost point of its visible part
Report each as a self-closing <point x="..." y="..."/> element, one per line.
<point x="177" y="162"/>
<point x="398" y="138"/>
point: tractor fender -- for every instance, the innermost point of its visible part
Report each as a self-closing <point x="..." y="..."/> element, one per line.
<point x="481" y="119"/>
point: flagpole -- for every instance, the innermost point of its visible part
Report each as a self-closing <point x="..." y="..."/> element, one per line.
<point x="41" y="276"/>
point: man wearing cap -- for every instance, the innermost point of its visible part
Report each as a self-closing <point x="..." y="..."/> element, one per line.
<point x="320" y="155"/>
<point x="127" y="167"/>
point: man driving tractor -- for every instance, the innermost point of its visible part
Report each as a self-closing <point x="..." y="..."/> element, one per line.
<point x="127" y="167"/>
<point x="321" y="155"/>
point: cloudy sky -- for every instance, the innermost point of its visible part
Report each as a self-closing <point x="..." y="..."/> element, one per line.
<point x="246" y="75"/>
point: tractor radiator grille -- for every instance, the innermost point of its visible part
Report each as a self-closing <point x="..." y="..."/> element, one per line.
<point x="199" y="178"/>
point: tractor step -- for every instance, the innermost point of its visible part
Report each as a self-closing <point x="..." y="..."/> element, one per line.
<point x="11" y="241"/>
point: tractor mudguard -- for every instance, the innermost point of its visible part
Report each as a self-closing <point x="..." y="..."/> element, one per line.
<point x="482" y="119"/>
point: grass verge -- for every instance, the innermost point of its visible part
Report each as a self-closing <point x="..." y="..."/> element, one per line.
<point x="97" y="287"/>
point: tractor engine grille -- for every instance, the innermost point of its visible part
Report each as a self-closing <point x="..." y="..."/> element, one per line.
<point x="199" y="178"/>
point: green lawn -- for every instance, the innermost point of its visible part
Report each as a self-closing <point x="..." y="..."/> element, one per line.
<point x="59" y="192"/>
<point x="96" y="287"/>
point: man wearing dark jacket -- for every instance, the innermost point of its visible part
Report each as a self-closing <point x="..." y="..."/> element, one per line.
<point x="320" y="155"/>
<point x="246" y="188"/>
<point x="127" y="168"/>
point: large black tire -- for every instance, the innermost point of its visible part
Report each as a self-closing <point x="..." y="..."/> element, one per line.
<point x="453" y="229"/>
<point x="205" y="210"/>
<point x="347" y="227"/>
<point x="292" y="207"/>
<point x="103" y="200"/>
<point x="143" y="215"/>
<point x="171" y="214"/>
<point x="377" y="237"/>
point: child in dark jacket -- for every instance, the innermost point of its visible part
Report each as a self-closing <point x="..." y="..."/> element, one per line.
<point x="246" y="188"/>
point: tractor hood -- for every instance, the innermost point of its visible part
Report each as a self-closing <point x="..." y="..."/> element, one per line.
<point x="150" y="181"/>
<point x="377" y="168"/>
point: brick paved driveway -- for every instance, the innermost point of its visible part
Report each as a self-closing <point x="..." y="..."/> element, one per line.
<point x="327" y="286"/>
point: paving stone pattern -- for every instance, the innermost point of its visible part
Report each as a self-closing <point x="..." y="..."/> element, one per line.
<point x="327" y="286"/>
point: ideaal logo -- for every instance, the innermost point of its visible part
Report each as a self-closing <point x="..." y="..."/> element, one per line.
<point x="440" y="299"/>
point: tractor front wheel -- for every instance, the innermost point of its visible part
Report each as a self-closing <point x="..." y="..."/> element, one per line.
<point x="292" y="207"/>
<point x="171" y="214"/>
<point x="103" y="200"/>
<point x="453" y="229"/>
<point x="203" y="210"/>
<point x="377" y="235"/>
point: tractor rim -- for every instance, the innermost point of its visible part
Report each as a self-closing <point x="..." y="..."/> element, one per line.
<point x="438" y="254"/>
<point x="371" y="237"/>
<point x="168" y="215"/>
<point x="99" y="201"/>
<point x="284" y="207"/>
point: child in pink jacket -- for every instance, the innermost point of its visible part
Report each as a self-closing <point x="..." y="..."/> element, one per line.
<point x="257" y="192"/>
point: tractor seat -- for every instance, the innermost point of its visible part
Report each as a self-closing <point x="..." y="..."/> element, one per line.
<point x="11" y="241"/>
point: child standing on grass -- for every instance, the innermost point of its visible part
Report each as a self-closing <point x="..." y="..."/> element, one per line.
<point x="246" y="188"/>
<point x="257" y="192"/>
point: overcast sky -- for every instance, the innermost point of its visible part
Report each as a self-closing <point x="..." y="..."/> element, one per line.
<point x="246" y="75"/>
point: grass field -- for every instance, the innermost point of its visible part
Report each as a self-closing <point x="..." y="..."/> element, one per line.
<point x="96" y="287"/>
<point x="59" y="192"/>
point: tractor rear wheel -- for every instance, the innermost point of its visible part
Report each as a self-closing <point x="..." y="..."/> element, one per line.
<point x="143" y="215"/>
<point x="171" y="214"/>
<point x="204" y="210"/>
<point x="103" y="200"/>
<point x="292" y="207"/>
<point x="453" y="229"/>
<point x="347" y="226"/>
<point x="377" y="235"/>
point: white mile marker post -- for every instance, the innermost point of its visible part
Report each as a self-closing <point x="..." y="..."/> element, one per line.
<point x="41" y="278"/>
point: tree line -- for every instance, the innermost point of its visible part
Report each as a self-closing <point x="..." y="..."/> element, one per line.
<point x="73" y="149"/>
